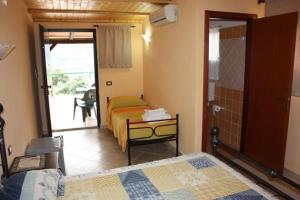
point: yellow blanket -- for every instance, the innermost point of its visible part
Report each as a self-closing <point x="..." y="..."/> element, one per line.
<point x="117" y="124"/>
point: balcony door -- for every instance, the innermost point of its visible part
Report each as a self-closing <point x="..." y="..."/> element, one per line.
<point x="67" y="79"/>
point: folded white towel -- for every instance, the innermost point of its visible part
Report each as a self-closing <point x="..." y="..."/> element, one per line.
<point x="155" y="111"/>
<point x="154" y="114"/>
<point x="158" y="117"/>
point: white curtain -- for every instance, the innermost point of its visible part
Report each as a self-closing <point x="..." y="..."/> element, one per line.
<point x="214" y="54"/>
<point x="114" y="46"/>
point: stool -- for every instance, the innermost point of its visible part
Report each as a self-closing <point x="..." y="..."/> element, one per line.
<point x="48" y="145"/>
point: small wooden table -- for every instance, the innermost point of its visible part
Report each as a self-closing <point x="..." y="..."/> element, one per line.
<point x="47" y="161"/>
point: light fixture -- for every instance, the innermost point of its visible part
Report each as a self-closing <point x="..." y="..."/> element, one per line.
<point x="5" y="50"/>
<point x="147" y="37"/>
<point x="3" y="2"/>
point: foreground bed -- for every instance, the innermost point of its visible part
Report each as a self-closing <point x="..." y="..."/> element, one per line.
<point x="197" y="176"/>
<point x="188" y="177"/>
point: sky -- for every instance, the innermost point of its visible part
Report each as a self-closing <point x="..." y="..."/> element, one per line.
<point x="70" y="57"/>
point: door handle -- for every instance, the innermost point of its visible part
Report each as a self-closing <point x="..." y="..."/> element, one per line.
<point x="46" y="89"/>
<point x="285" y="101"/>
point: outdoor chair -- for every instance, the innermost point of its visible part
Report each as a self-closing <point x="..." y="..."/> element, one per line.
<point x="86" y="103"/>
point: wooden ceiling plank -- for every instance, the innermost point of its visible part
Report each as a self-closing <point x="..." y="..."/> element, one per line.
<point x="142" y="1"/>
<point x="66" y="11"/>
<point x="89" y="20"/>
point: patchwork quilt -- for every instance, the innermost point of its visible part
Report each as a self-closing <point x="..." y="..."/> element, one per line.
<point x="189" y="177"/>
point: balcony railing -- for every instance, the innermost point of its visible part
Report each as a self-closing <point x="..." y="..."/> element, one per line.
<point x="70" y="83"/>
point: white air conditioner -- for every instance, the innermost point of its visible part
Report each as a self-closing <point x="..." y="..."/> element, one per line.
<point x="165" y="15"/>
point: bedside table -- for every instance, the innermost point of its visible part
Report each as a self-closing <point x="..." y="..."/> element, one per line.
<point x="27" y="163"/>
<point x="47" y="145"/>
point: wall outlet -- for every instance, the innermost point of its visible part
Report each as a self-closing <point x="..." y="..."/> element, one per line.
<point x="108" y="83"/>
<point x="9" y="150"/>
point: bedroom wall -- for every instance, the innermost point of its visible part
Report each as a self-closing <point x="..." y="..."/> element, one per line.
<point x="173" y="64"/>
<point x="292" y="161"/>
<point x="16" y="87"/>
<point x="125" y="81"/>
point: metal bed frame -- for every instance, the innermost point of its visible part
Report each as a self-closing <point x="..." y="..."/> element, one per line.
<point x="145" y="140"/>
<point x="160" y="138"/>
<point x="218" y="145"/>
<point x="4" y="163"/>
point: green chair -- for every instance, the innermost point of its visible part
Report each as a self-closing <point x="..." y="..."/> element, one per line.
<point x="86" y="103"/>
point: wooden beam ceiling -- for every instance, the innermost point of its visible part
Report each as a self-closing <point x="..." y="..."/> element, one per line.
<point x="161" y="2"/>
<point x="103" y="21"/>
<point x="110" y="11"/>
<point x="66" y="11"/>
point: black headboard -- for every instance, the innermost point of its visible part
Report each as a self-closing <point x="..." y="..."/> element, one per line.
<point x="2" y="147"/>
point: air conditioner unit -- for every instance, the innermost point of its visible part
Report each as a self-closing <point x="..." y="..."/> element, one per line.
<point x="166" y="15"/>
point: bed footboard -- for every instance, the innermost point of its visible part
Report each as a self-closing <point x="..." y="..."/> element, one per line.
<point x="4" y="163"/>
<point x="159" y="138"/>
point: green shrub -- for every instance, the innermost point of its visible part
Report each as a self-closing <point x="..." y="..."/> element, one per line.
<point x="69" y="87"/>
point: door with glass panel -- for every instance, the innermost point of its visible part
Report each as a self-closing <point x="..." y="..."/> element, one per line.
<point x="69" y="79"/>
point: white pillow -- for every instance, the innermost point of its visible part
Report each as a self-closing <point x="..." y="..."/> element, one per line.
<point x="41" y="184"/>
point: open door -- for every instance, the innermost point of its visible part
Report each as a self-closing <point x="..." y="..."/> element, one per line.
<point x="270" y="63"/>
<point x="43" y="88"/>
<point x="67" y="77"/>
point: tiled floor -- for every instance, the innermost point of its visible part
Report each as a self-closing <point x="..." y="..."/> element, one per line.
<point x="64" y="120"/>
<point x="94" y="150"/>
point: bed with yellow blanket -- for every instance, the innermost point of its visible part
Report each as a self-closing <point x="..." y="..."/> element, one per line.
<point x="126" y="123"/>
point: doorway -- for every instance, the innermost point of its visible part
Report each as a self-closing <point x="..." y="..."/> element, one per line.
<point x="225" y="76"/>
<point x="255" y="108"/>
<point x="70" y="77"/>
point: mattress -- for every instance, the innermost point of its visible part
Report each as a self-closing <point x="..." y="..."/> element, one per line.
<point x="117" y="123"/>
<point x="188" y="177"/>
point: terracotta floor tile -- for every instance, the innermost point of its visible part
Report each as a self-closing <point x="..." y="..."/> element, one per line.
<point x="93" y="150"/>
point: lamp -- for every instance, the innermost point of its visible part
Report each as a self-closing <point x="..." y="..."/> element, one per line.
<point x="5" y="50"/>
<point x="147" y="37"/>
<point x="3" y="2"/>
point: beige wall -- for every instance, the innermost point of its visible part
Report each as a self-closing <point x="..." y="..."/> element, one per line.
<point x="125" y="81"/>
<point x="292" y="158"/>
<point x="292" y="161"/>
<point x="16" y="88"/>
<point x="173" y="64"/>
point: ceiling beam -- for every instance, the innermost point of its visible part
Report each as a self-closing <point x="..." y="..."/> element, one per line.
<point x="53" y="46"/>
<point x="66" y="11"/>
<point x="67" y="41"/>
<point x="160" y="2"/>
<point x="101" y="21"/>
